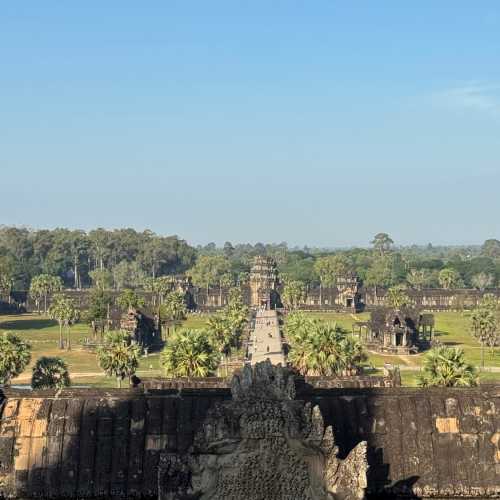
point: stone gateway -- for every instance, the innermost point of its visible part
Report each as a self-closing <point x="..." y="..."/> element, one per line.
<point x="263" y="444"/>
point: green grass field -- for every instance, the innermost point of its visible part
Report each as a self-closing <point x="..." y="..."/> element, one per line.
<point x="452" y="329"/>
<point x="43" y="335"/>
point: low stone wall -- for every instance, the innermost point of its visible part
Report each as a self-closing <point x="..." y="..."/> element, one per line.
<point x="303" y="384"/>
<point x="106" y="443"/>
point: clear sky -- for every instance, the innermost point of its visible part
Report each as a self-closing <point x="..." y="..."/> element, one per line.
<point x="315" y="122"/>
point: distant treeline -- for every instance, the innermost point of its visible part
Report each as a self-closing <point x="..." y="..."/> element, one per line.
<point x="129" y="257"/>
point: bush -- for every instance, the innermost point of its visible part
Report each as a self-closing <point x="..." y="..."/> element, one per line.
<point x="14" y="357"/>
<point x="50" y="373"/>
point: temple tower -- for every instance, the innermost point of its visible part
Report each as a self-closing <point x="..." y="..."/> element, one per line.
<point x="264" y="283"/>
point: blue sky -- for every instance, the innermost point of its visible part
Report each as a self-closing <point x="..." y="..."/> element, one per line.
<point x="318" y="123"/>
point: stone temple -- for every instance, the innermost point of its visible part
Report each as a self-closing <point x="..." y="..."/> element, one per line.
<point x="269" y="435"/>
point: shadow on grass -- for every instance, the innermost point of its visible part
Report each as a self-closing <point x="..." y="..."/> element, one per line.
<point x="440" y="333"/>
<point x="28" y="324"/>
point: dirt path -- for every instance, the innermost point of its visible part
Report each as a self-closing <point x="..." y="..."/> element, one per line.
<point x="27" y="377"/>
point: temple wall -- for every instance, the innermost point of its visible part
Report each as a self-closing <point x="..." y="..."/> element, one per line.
<point x="106" y="443"/>
<point x="329" y="299"/>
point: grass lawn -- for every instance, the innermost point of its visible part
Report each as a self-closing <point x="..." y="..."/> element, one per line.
<point x="344" y="320"/>
<point x="43" y="335"/>
<point x="452" y="328"/>
<point x="195" y="321"/>
<point x="410" y="378"/>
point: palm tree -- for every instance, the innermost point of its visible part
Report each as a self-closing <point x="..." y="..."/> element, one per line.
<point x="226" y="280"/>
<point x="174" y="307"/>
<point x="324" y="350"/>
<point x="417" y="278"/>
<point x="446" y="366"/>
<point x="319" y="348"/>
<point x="226" y="327"/>
<point x="449" y="278"/>
<point x="63" y="310"/>
<point x="294" y="293"/>
<point x="484" y="328"/>
<point x="189" y="354"/>
<point x="220" y="332"/>
<point x="118" y="357"/>
<point x="158" y="287"/>
<point x="297" y="322"/>
<point x="72" y="316"/>
<point x="50" y="373"/>
<point x="352" y="355"/>
<point x="57" y="311"/>
<point x="43" y="285"/>
<point x="14" y="357"/>
<point x="300" y="352"/>
<point x="397" y="297"/>
<point x="236" y="313"/>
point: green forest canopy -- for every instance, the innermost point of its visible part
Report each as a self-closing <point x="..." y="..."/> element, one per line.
<point x="74" y="255"/>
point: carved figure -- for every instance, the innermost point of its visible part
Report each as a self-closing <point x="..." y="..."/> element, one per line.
<point x="263" y="445"/>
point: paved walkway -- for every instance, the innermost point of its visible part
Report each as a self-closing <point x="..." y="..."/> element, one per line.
<point x="265" y="339"/>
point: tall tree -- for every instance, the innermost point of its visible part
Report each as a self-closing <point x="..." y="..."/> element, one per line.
<point x="418" y="278"/>
<point x="127" y="275"/>
<point x="79" y="248"/>
<point x="449" y="278"/>
<point x="208" y="270"/>
<point x="101" y="247"/>
<point x="491" y="248"/>
<point x="6" y="280"/>
<point x="42" y="286"/>
<point x="220" y="332"/>
<point x="159" y="287"/>
<point x="380" y="272"/>
<point x="101" y="278"/>
<point x="99" y="303"/>
<point x="153" y="254"/>
<point x="64" y="311"/>
<point x="130" y="299"/>
<point x="329" y="269"/>
<point x="174" y="307"/>
<point x="482" y="281"/>
<point x="485" y="323"/>
<point x="294" y="292"/>
<point x="382" y="243"/>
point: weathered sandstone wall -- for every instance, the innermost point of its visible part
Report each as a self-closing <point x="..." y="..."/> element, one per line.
<point x="105" y="444"/>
